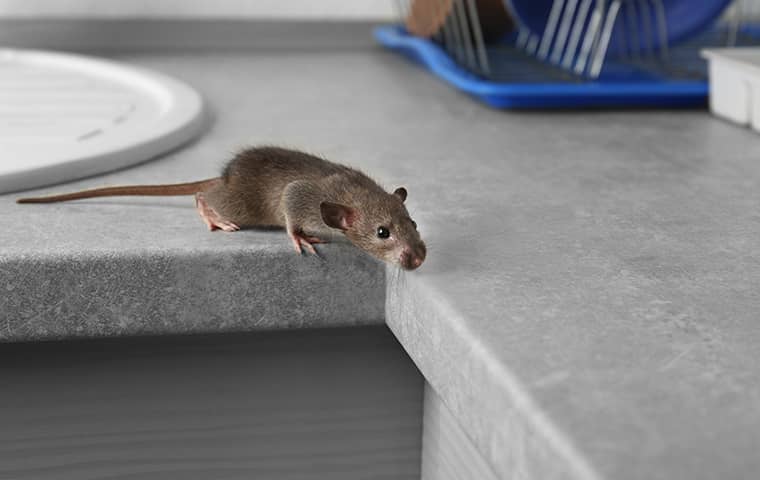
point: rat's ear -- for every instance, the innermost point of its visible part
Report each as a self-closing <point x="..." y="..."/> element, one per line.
<point x="400" y="192"/>
<point x="336" y="215"/>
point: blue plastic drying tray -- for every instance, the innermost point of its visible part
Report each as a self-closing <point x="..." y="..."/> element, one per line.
<point x="617" y="86"/>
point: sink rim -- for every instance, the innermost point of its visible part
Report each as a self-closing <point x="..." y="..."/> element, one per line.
<point x="181" y="118"/>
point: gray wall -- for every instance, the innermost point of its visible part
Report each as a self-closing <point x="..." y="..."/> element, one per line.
<point x="259" y="9"/>
<point x="281" y="9"/>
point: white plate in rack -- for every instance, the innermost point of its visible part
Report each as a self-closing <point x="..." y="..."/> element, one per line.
<point x="65" y="116"/>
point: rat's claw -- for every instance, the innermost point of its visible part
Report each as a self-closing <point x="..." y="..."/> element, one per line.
<point x="228" y="226"/>
<point x="308" y="246"/>
<point x="314" y="240"/>
<point x="302" y="241"/>
<point x="296" y="243"/>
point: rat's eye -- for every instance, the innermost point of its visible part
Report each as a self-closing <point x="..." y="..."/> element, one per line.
<point x="414" y="224"/>
<point x="383" y="232"/>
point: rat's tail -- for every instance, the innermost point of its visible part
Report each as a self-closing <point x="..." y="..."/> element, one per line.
<point x="189" y="188"/>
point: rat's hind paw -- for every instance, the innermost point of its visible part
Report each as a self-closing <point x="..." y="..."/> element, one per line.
<point x="213" y="220"/>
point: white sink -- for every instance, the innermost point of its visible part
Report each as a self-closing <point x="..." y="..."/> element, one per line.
<point x="65" y="116"/>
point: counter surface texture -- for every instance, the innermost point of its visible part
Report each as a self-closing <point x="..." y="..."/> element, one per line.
<point x="589" y="306"/>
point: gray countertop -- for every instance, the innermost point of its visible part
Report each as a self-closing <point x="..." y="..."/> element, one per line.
<point x="589" y="305"/>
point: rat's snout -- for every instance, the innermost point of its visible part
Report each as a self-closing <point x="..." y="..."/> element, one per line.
<point x="413" y="256"/>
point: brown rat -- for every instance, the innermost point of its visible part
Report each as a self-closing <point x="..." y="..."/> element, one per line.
<point x="309" y="196"/>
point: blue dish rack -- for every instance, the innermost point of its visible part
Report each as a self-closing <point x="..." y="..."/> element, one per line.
<point x="519" y="81"/>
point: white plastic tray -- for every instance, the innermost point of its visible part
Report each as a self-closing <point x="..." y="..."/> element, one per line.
<point x="735" y="84"/>
<point x="65" y="116"/>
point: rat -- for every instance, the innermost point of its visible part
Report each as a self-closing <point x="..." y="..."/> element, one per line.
<point x="307" y="195"/>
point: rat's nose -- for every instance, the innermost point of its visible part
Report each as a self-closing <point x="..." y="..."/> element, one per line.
<point x="412" y="258"/>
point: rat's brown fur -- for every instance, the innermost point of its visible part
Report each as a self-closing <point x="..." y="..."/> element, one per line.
<point x="271" y="186"/>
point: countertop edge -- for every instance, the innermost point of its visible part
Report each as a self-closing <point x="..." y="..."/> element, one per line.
<point x="155" y="292"/>
<point x="513" y="434"/>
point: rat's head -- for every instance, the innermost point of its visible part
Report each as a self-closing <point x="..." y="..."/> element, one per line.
<point x="381" y="228"/>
